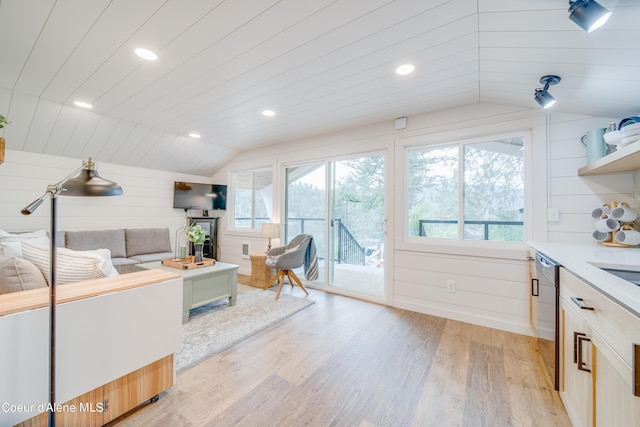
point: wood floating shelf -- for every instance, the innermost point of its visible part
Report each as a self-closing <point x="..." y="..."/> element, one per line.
<point x="626" y="159"/>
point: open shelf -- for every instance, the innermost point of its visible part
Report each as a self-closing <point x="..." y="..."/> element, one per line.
<point x="625" y="159"/>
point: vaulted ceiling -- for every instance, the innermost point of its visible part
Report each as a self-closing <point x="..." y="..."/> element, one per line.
<point x="321" y="65"/>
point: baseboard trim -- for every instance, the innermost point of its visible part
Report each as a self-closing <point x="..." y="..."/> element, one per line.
<point x="503" y="325"/>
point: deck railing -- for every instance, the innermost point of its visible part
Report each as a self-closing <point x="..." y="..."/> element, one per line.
<point x="422" y="232"/>
<point x="349" y="251"/>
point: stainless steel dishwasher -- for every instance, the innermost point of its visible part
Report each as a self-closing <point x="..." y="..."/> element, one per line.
<point x="546" y="288"/>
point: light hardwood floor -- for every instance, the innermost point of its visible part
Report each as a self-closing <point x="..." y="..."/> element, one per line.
<point x="345" y="362"/>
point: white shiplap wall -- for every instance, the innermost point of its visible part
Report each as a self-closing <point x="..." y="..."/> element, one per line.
<point x="147" y="199"/>
<point x="491" y="292"/>
<point x="573" y="195"/>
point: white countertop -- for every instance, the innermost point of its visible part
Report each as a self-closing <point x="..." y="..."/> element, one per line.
<point x="578" y="258"/>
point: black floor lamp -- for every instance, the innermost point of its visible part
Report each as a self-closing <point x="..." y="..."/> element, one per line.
<point x="87" y="183"/>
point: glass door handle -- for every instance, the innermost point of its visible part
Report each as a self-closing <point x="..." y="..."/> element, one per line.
<point x="384" y="226"/>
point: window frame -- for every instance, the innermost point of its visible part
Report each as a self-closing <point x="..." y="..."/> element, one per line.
<point x="534" y="132"/>
<point x="254" y="228"/>
<point x="461" y="160"/>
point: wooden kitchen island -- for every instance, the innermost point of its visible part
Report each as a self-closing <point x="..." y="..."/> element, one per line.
<point x="114" y="350"/>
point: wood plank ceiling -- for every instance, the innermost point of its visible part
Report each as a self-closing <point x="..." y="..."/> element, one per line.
<point x="322" y="65"/>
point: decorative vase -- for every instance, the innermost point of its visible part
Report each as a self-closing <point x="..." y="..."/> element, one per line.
<point x="197" y="252"/>
<point x="2" y="146"/>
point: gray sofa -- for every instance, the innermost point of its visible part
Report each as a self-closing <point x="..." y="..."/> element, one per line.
<point x="128" y="246"/>
<point x="24" y="258"/>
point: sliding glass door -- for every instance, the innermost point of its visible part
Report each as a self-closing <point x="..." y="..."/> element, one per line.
<point x="341" y="203"/>
<point x="305" y="207"/>
<point x="357" y="225"/>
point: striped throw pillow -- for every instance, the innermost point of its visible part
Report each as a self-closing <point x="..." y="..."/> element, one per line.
<point x="72" y="266"/>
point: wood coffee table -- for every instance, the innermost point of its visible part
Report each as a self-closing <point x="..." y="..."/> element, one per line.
<point x="203" y="285"/>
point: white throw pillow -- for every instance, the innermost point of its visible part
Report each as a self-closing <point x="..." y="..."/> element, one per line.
<point x="14" y="248"/>
<point x="72" y="266"/>
<point x="5" y="236"/>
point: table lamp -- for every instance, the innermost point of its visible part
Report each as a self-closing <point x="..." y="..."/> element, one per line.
<point x="87" y="183"/>
<point x="269" y="231"/>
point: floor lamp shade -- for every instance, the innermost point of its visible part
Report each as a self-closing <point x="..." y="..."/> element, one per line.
<point x="87" y="183"/>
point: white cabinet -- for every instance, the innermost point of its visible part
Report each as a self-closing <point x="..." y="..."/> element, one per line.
<point x="107" y="332"/>
<point x="599" y="359"/>
<point x="577" y="382"/>
<point x="533" y="294"/>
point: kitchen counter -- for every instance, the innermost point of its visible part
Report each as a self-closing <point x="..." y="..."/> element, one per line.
<point x="578" y="258"/>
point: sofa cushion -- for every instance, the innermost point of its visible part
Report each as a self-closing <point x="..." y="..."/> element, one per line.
<point x="153" y="257"/>
<point x="127" y="268"/>
<point x="141" y="241"/>
<point x="123" y="261"/>
<point x="72" y="266"/>
<point x="18" y="274"/>
<point x="95" y="239"/>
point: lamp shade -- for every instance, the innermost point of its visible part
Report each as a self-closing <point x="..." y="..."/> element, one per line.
<point x="269" y="230"/>
<point x="89" y="183"/>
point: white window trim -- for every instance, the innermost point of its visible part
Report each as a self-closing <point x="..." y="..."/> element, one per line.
<point x="231" y="202"/>
<point x="535" y="130"/>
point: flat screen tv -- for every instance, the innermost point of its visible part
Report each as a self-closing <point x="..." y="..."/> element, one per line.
<point x="190" y="195"/>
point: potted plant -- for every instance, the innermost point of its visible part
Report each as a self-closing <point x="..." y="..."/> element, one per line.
<point x="3" y="123"/>
<point x="196" y="235"/>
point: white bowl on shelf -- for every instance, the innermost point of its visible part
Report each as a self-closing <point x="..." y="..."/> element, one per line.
<point x="614" y="138"/>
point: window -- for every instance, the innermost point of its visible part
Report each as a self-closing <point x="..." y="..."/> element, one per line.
<point x="252" y="198"/>
<point x="467" y="190"/>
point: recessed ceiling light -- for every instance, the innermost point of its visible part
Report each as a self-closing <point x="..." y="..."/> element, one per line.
<point x="82" y="104"/>
<point x="405" y="69"/>
<point x="194" y="135"/>
<point x="268" y="113"/>
<point x="146" y="54"/>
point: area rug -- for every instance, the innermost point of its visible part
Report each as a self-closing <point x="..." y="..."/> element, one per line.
<point x="217" y="326"/>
